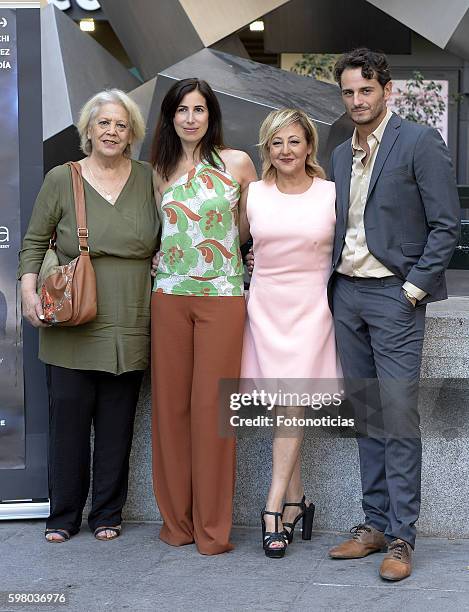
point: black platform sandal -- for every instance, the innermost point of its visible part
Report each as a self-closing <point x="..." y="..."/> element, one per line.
<point x="269" y="537"/>
<point x="307" y="514"/>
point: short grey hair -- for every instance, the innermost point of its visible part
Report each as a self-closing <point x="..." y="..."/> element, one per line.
<point x="91" y="108"/>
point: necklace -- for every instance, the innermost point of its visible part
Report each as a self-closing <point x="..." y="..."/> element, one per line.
<point x="108" y="194"/>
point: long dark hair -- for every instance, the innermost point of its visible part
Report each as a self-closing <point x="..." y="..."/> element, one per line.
<point x="167" y="148"/>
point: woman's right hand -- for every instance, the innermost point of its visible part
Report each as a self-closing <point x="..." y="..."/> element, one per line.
<point x="32" y="309"/>
<point x="249" y="259"/>
<point x="154" y="263"/>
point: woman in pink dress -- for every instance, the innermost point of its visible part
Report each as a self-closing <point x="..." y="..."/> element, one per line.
<point x="289" y="332"/>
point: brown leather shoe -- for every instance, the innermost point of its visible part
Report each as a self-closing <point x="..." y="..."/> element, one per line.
<point x="366" y="540"/>
<point x="397" y="564"/>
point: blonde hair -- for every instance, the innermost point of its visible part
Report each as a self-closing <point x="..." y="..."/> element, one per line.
<point x="277" y="120"/>
<point x="91" y="109"/>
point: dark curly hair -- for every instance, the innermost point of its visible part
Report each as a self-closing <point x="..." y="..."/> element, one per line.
<point x="374" y="64"/>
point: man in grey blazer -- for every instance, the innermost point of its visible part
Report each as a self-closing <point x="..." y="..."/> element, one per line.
<point x="397" y="226"/>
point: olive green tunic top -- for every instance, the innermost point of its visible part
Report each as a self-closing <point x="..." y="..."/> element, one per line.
<point x="122" y="240"/>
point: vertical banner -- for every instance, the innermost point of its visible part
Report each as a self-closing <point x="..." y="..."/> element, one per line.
<point x="12" y="421"/>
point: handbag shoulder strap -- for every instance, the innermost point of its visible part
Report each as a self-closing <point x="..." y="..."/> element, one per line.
<point x="80" y="208"/>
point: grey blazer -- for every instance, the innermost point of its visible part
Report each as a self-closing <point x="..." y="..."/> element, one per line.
<point x="412" y="212"/>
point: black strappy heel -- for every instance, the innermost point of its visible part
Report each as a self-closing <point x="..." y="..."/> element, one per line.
<point x="269" y="537"/>
<point x="307" y="514"/>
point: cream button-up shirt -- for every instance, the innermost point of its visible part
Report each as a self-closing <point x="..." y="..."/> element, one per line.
<point x="356" y="259"/>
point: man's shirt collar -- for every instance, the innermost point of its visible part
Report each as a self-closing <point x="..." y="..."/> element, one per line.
<point x="377" y="133"/>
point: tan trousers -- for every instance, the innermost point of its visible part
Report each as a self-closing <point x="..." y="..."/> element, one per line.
<point x="195" y="342"/>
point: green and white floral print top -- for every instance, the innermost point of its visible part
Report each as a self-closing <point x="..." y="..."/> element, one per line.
<point x="200" y="252"/>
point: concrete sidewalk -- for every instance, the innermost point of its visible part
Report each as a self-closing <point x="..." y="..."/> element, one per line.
<point x="138" y="572"/>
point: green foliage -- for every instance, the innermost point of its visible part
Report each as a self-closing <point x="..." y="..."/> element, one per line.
<point x="317" y="65"/>
<point x="421" y="101"/>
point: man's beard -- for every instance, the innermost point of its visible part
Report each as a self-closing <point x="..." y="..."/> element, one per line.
<point x="359" y="120"/>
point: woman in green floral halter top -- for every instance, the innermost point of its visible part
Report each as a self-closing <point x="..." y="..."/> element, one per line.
<point x="200" y="252"/>
<point x="198" y="313"/>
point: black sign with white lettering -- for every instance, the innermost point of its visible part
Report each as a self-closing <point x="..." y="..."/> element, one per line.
<point x="12" y="426"/>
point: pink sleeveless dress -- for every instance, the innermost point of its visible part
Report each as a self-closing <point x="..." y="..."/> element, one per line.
<point x="289" y="330"/>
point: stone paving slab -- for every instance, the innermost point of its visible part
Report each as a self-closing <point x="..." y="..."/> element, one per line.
<point x="139" y="572"/>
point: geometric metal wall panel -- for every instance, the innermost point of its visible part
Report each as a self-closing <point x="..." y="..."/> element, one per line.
<point x="143" y="97"/>
<point x="216" y="19"/>
<point x="155" y="33"/>
<point x="446" y="24"/>
<point x="233" y="45"/>
<point x="62" y="147"/>
<point x="247" y="92"/>
<point x="74" y="67"/>
<point x="57" y="114"/>
<point x="159" y="33"/>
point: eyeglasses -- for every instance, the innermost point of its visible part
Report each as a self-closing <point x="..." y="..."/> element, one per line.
<point x="105" y="124"/>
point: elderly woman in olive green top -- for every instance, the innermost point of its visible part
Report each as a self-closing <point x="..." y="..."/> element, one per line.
<point x="94" y="371"/>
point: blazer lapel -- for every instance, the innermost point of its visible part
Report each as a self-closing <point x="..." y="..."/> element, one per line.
<point x="389" y="138"/>
<point x="342" y="174"/>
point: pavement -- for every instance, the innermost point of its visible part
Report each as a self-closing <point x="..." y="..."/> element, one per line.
<point x="139" y="572"/>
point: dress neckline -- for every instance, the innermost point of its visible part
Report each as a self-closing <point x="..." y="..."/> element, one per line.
<point x="295" y="194"/>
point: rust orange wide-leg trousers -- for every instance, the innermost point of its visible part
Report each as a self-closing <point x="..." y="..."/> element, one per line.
<point x="196" y="341"/>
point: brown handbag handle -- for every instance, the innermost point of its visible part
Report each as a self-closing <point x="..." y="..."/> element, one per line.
<point x="80" y="208"/>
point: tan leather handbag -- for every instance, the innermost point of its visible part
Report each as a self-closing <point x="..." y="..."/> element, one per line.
<point x="68" y="293"/>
